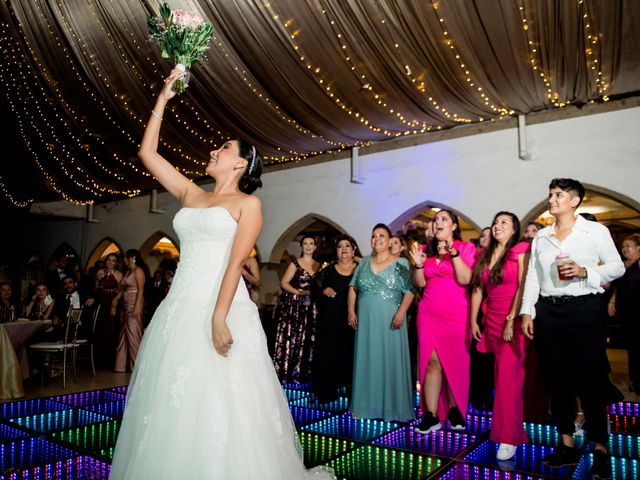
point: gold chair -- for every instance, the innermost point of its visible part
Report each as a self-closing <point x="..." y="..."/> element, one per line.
<point x="90" y="340"/>
<point x="62" y="347"/>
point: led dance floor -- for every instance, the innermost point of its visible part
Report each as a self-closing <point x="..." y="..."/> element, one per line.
<point x="72" y="437"/>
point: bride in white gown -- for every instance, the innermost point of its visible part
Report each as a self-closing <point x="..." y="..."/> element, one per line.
<point x="204" y="401"/>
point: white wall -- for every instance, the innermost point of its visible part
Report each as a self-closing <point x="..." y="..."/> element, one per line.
<point x="476" y="175"/>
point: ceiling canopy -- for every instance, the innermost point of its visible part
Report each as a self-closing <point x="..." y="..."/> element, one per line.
<point x="294" y="77"/>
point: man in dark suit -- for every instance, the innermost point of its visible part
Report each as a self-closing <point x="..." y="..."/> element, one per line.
<point x="56" y="276"/>
<point x="154" y="294"/>
<point x="70" y="298"/>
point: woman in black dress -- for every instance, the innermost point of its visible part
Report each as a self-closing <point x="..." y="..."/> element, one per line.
<point x="296" y="315"/>
<point x="333" y="360"/>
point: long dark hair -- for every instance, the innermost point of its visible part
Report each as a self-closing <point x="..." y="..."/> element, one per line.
<point x="135" y="254"/>
<point x="250" y="180"/>
<point x="432" y="246"/>
<point x="495" y="276"/>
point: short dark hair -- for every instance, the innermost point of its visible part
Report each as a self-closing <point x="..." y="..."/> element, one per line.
<point x="569" y="185"/>
<point x="383" y="227"/>
<point x="2" y="284"/>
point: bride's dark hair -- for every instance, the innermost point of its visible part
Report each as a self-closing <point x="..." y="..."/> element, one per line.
<point x="250" y="180"/>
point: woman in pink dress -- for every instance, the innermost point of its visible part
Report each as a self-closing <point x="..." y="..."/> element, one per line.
<point x="131" y="318"/>
<point x="443" y="328"/>
<point x="500" y="272"/>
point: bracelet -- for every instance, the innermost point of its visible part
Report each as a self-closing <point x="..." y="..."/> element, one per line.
<point x="454" y="256"/>
<point x="156" y="115"/>
<point x="419" y="267"/>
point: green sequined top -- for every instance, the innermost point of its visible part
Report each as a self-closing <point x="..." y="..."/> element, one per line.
<point x="390" y="284"/>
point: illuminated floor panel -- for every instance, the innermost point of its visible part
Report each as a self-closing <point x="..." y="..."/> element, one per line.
<point x="26" y="408"/>
<point x="304" y="416"/>
<point x="319" y="449"/>
<point x="31" y="452"/>
<point x="624" y="424"/>
<point x="62" y="420"/>
<point x="109" y="409"/>
<point x="98" y="439"/>
<point x="372" y="462"/>
<point x="72" y="437"/>
<point x="346" y="427"/>
<point x="337" y="406"/>
<point x="94" y="397"/>
<point x="465" y="471"/>
<point x="8" y="433"/>
<point x="621" y="469"/>
<point x="441" y="443"/>
<point x="77" y="468"/>
<point x="528" y="459"/>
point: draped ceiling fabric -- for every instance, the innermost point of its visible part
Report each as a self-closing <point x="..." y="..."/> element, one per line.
<point x="296" y="77"/>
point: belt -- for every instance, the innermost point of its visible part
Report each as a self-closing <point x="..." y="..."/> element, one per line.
<point x="562" y="299"/>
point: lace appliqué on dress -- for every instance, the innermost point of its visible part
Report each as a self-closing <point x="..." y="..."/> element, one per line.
<point x="177" y="389"/>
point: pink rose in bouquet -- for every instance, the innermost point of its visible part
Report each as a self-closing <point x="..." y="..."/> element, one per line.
<point x="183" y="38"/>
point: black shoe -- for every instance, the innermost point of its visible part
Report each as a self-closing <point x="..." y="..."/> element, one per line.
<point x="562" y="456"/>
<point x="428" y="424"/>
<point x="455" y="419"/>
<point x="601" y="465"/>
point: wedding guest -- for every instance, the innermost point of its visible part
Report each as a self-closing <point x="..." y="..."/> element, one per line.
<point x="251" y="275"/>
<point x="55" y="277"/>
<point x="500" y="271"/>
<point x="443" y="270"/>
<point x="107" y="281"/>
<point x="131" y="315"/>
<point x="531" y="231"/>
<point x="625" y="303"/>
<point x="397" y="246"/>
<point x="69" y="298"/>
<point x="381" y="370"/>
<point x="485" y="238"/>
<point x="333" y="355"/>
<point x="41" y="304"/>
<point x="570" y="261"/>
<point x="7" y="307"/>
<point x="481" y="378"/>
<point x="296" y="315"/>
<point x="153" y="295"/>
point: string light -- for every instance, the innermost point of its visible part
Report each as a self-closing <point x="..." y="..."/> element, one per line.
<point x="471" y="83"/>
<point x="593" y="51"/>
<point x="534" y="55"/>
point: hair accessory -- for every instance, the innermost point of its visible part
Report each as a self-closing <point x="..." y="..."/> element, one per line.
<point x="253" y="159"/>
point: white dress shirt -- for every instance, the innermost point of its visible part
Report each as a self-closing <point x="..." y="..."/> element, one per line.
<point x="74" y="299"/>
<point x="589" y="244"/>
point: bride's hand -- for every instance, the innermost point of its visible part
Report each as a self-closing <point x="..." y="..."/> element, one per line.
<point x="221" y="337"/>
<point x="167" y="92"/>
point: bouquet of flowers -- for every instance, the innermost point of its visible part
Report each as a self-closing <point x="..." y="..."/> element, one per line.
<point x="183" y="38"/>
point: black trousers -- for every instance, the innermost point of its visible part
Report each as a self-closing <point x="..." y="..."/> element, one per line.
<point x="571" y="344"/>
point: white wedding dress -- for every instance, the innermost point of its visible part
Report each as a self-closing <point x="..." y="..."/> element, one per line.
<point x="191" y="413"/>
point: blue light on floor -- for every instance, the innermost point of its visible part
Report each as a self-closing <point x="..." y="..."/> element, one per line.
<point x="346" y="427"/>
<point x="441" y="443"/>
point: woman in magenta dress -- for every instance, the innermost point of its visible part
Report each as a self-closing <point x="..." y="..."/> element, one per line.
<point x="443" y="327"/>
<point x="500" y="272"/>
<point x="131" y="318"/>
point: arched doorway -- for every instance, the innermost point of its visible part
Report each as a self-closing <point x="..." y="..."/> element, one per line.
<point x="413" y="222"/>
<point x="160" y="252"/>
<point x="324" y="230"/>
<point x="105" y="247"/>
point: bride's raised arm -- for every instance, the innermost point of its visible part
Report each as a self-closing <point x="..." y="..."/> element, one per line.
<point x="249" y="226"/>
<point x="173" y="181"/>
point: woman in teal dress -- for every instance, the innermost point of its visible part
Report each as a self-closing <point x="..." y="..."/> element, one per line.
<point x="381" y="366"/>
